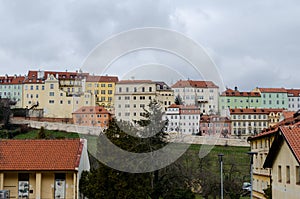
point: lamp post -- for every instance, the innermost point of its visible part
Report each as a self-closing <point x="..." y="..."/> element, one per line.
<point x="251" y="153"/>
<point x="221" y="171"/>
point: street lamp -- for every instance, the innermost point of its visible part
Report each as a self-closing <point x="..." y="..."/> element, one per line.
<point x="251" y="153"/>
<point x="221" y="169"/>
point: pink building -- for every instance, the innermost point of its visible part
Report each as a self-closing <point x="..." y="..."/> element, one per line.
<point x="211" y="125"/>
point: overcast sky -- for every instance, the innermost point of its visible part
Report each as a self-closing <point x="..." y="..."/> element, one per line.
<point x="253" y="43"/>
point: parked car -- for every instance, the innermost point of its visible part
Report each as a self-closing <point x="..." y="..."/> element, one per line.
<point x="247" y="186"/>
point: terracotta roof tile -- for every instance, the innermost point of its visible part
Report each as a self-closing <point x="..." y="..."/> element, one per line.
<point x="40" y="154"/>
<point x="292" y="136"/>
<point x="12" y="79"/>
<point x="272" y="90"/>
<point x="91" y="110"/>
<point x="293" y="92"/>
<point x="195" y="84"/>
<point x="230" y="92"/>
<point x="92" y="78"/>
<point x="254" y="110"/>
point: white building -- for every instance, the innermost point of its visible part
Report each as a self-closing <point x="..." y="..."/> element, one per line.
<point x="183" y="119"/>
<point x="204" y="94"/>
<point x="294" y="99"/>
<point x="132" y="96"/>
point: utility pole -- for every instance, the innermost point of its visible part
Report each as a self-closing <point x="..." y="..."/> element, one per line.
<point x="221" y="171"/>
<point x="251" y="153"/>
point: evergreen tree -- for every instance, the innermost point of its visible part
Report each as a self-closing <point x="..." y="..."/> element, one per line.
<point x="178" y="100"/>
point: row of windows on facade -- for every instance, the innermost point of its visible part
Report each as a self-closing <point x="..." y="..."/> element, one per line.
<point x="214" y="124"/>
<point x="274" y="94"/>
<point x="135" y="98"/>
<point x="91" y="122"/>
<point x="135" y="89"/>
<point x="248" y="124"/>
<point x="184" y="117"/>
<point x="102" y="92"/>
<point x="244" y="131"/>
<point x="294" y="106"/>
<point x="192" y="90"/>
<point x="249" y="117"/>
<point x="184" y="124"/>
<point x="288" y="174"/>
<point x="102" y="85"/>
<point x="10" y="87"/>
<point x="60" y="102"/>
<point x="91" y="115"/>
<point x="292" y="99"/>
<point x="127" y="114"/>
<point x="260" y="185"/>
<point x="103" y="99"/>
<point x="241" y="101"/>
<point x="9" y="94"/>
<point x="270" y="102"/>
<point x="262" y="144"/>
<point x="192" y="97"/>
<point x="184" y="130"/>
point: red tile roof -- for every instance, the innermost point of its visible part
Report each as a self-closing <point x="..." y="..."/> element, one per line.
<point x="230" y="92"/>
<point x="292" y="136"/>
<point x="91" y="78"/>
<point x="12" y="79"/>
<point x="135" y="81"/>
<point x="272" y="90"/>
<point x="91" y="110"/>
<point x="254" y="110"/>
<point x="195" y="84"/>
<point x="25" y="155"/>
<point x="293" y="92"/>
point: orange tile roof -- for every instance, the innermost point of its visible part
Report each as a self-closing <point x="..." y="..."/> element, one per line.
<point x="25" y="155"/>
<point x="91" y="110"/>
<point x="92" y="78"/>
<point x="293" y="92"/>
<point x="195" y="84"/>
<point x="254" y="110"/>
<point x="272" y="90"/>
<point x="292" y="136"/>
<point x="230" y="92"/>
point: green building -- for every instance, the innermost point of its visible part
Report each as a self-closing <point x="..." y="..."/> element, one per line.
<point x="273" y="97"/>
<point x="11" y="87"/>
<point x="230" y="99"/>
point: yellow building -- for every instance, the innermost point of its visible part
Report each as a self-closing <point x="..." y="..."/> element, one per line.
<point x="44" y="95"/>
<point x="52" y="171"/>
<point x="103" y="89"/>
<point x="284" y="161"/>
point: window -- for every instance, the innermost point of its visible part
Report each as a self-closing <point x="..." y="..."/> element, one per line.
<point x="69" y="101"/>
<point x="43" y="87"/>
<point x="288" y="175"/>
<point x="150" y="89"/>
<point x="37" y="88"/>
<point x="297" y="175"/>
<point x="279" y="174"/>
<point x="127" y="89"/>
<point x="61" y="102"/>
<point x="143" y="89"/>
<point x="60" y="185"/>
<point x="109" y="85"/>
<point x="51" y="86"/>
<point x="51" y="101"/>
<point x="110" y="92"/>
<point x="103" y="92"/>
<point x="31" y="87"/>
<point x="120" y="89"/>
<point x="51" y="93"/>
<point x="23" y="188"/>
<point x="102" y="85"/>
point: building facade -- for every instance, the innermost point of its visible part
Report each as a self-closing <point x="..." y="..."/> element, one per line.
<point x="103" y="89"/>
<point x="215" y="125"/>
<point x="247" y="122"/>
<point x="294" y="99"/>
<point x="52" y="171"/>
<point x="284" y="161"/>
<point x="183" y="119"/>
<point x="11" y="87"/>
<point x="132" y="96"/>
<point x="237" y="99"/>
<point x="273" y="97"/>
<point x="45" y="93"/>
<point x="204" y="94"/>
<point x="92" y="116"/>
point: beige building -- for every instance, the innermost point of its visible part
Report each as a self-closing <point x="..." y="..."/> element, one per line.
<point x="261" y="144"/>
<point x="50" y="95"/>
<point x="204" y="94"/>
<point x="42" y="168"/>
<point x="251" y="121"/>
<point x="132" y="96"/>
<point x="284" y="161"/>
